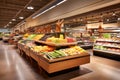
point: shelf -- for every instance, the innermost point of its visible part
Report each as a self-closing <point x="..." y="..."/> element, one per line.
<point x="84" y="42"/>
<point x="110" y="31"/>
<point x="57" y="44"/>
<point x="107" y="51"/>
<point x="107" y="41"/>
<point x="107" y="46"/>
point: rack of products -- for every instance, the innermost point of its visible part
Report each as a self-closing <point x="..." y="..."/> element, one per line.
<point x="52" y="54"/>
<point x="83" y="38"/>
<point x="108" y="46"/>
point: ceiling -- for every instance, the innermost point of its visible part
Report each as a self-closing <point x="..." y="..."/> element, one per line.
<point x="13" y="9"/>
<point x="109" y="14"/>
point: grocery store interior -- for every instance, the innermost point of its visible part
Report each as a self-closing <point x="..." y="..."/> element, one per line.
<point x="59" y="39"/>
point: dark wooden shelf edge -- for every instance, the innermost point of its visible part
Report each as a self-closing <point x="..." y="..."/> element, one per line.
<point x="106" y="55"/>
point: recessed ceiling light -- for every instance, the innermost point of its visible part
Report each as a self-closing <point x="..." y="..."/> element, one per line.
<point x="108" y="20"/>
<point x="21" y="17"/>
<point x="81" y="19"/>
<point x="13" y="19"/>
<point x="10" y="22"/>
<point x="118" y="18"/>
<point x="30" y="7"/>
<point x="113" y="14"/>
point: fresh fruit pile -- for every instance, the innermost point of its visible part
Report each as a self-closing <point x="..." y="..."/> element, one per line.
<point x="42" y="48"/>
<point x="74" y="50"/>
<point x="64" y="52"/>
<point x="38" y="36"/>
<point x="30" y="37"/>
<point x="60" y="40"/>
<point x="56" y="40"/>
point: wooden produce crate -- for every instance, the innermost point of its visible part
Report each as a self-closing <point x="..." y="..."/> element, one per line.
<point x="57" y="44"/>
<point x="27" y="51"/>
<point x="34" y="55"/>
<point x="60" y="64"/>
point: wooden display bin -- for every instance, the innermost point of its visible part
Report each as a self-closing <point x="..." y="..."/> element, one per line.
<point x="27" y="51"/>
<point x="34" y="55"/>
<point x="60" y="64"/>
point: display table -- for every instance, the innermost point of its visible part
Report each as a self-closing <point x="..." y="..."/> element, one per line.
<point x="59" y="64"/>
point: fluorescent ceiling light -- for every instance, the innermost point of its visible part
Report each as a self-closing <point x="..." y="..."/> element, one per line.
<point x="49" y="9"/>
<point x="30" y="7"/>
<point x="21" y="17"/>
<point x="61" y="2"/>
<point x="13" y="19"/>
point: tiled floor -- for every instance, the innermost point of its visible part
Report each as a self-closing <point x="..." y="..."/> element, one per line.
<point x="15" y="67"/>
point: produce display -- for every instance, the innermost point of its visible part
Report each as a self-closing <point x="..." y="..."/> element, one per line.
<point x="106" y="48"/>
<point x="74" y="50"/>
<point x="50" y="52"/>
<point x="107" y="45"/>
<point x="60" y="40"/>
<point x="55" y="54"/>
<point x="56" y="40"/>
<point x="25" y="35"/>
<point x="64" y="52"/>
<point x="30" y="37"/>
<point x="46" y="36"/>
<point x="42" y="48"/>
<point x="38" y="36"/>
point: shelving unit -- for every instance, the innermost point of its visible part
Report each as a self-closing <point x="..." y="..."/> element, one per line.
<point x="108" y="47"/>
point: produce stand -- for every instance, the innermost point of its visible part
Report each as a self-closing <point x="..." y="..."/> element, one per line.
<point x="58" y="64"/>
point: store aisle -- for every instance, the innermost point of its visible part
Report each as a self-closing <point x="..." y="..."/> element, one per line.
<point x="102" y="69"/>
<point x="14" y="67"/>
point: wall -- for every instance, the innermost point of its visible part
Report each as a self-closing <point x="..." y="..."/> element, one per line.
<point x="69" y="8"/>
<point x="96" y="25"/>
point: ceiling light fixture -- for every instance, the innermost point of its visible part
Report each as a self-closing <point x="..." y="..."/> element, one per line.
<point x="81" y="19"/>
<point x="108" y="20"/>
<point x="10" y="22"/>
<point x="13" y="19"/>
<point x="113" y="14"/>
<point x="118" y="19"/>
<point x="21" y="17"/>
<point x="30" y="7"/>
<point x="49" y="9"/>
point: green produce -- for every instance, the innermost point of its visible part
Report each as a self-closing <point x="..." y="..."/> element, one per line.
<point x="55" y="54"/>
<point x="31" y="36"/>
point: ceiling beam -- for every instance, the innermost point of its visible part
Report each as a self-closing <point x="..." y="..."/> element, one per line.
<point x="11" y="6"/>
